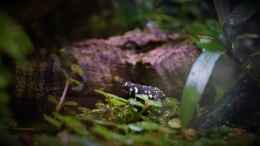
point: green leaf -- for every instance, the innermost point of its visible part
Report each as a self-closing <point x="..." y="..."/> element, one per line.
<point x="52" y="121"/>
<point x="144" y="125"/>
<point x="153" y="103"/>
<point x="149" y="102"/>
<point x="142" y="96"/>
<point x="70" y="103"/>
<point x="134" y="102"/>
<point x="206" y="36"/>
<point x="109" y="135"/>
<point x="209" y="43"/>
<point x="189" y="104"/>
<point x="115" y="100"/>
<point x="13" y="40"/>
<point x="197" y="29"/>
<point x="196" y="84"/>
<point x="73" y="123"/>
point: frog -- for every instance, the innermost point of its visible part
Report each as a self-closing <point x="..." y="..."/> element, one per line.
<point x="153" y="93"/>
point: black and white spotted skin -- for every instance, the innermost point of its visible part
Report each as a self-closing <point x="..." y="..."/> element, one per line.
<point x="152" y="92"/>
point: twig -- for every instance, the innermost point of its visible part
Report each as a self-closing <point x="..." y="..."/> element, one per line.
<point x="58" y="107"/>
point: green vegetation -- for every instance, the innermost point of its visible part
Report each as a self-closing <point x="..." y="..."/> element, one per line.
<point x="134" y="121"/>
<point x="206" y="35"/>
<point x="14" y="45"/>
<point x="169" y="15"/>
<point x="190" y="103"/>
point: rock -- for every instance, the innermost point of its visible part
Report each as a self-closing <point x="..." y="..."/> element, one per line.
<point x="161" y="60"/>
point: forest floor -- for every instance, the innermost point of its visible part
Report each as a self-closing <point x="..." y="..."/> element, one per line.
<point x="119" y="121"/>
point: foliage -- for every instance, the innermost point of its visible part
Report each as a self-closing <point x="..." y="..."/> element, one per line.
<point x="189" y="102"/>
<point x="182" y="13"/>
<point x="120" y="121"/>
<point x="174" y="15"/>
<point x="135" y="12"/>
<point x="14" y="46"/>
<point x="196" y="83"/>
<point x="169" y="15"/>
<point x="206" y="35"/>
<point x="13" y="40"/>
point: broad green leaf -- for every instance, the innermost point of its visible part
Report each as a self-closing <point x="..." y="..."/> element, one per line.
<point x="142" y="96"/>
<point x="13" y="40"/>
<point x="210" y="28"/>
<point x="206" y="36"/>
<point x="189" y="103"/>
<point x="196" y="84"/>
<point x="209" y="43"/>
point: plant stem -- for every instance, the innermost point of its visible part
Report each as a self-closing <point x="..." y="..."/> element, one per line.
<point x="58" y="107"/>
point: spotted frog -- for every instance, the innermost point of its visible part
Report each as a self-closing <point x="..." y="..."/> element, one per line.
<point x="133" y="89"/>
